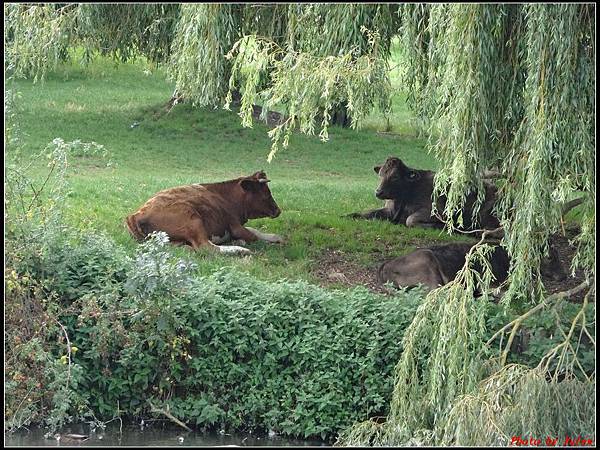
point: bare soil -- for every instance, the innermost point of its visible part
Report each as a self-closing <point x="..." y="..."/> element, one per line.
<point x="335" y="268"/>
<point x="566" y="252"/>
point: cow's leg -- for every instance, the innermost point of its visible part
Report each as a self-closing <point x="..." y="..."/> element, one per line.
<point x="375" y="214"/>
<point x="238" y="231"/>
<point x="185" y="226"/>
<point x="199" y="243"/>
<point x="268" y="237"/>
<point x="199" y="240"/>
<point x="221" y="239"/>
<point x="423" y="218"/>
<point x="232" y="249"/>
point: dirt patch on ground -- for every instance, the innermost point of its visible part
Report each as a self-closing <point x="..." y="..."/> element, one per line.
<point x="566" y="252"/>
<point x="335" y="268"/>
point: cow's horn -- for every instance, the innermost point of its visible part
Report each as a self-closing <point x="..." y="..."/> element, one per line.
<point x="263" y="180"/>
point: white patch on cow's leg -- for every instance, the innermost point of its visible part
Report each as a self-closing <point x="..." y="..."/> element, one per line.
<point x="221" y="239"/>
<point x="273" y="238"/>
<point x="233" y="249"/>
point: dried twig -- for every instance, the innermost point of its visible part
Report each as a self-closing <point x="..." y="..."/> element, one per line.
<point x="68" y="349"/>
<point x="169" y="415"/>
<point x="570" y="205"/>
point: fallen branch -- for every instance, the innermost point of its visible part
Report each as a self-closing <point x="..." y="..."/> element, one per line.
<point x="570" y="205"/>
<point x="168" y="415"/>
<point x="485" y="232"/>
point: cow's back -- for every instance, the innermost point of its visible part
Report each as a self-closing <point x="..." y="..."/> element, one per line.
<point x="419" y="267"/>
<point x="191" y="201"/>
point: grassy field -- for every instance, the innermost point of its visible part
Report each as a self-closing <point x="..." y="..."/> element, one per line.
<point x="313" y="182"/>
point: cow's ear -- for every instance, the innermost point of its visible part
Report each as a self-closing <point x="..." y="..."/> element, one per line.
<point x="377" y="169"/>
<point x="250" y="185"/>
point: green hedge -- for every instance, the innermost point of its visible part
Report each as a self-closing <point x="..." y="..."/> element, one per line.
<point x="224" y="351"/>
<point x="285" y="356"/>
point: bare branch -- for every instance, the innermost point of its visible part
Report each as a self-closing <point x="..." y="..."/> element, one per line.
<point x="68" y="349"/>
<point x="515" y="324"/>
<point x="570" y="205"/>
<point x="169" y="415"/>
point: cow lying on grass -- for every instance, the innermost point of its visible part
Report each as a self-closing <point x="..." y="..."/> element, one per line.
<point x="408" y="196"/>
<point x="203" y="215"/>
<point x="438" y="265"/>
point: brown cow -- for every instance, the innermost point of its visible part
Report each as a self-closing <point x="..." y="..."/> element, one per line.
<point x="437" y="265"/>
<point x="408" y="197"/>
<point x="201" y="215"/>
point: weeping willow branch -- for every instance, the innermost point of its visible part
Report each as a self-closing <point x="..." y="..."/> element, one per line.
<point x="512" y="87"/>
<point x="544" y="363"/>
<point x="468" y="124"/>
<point x="36" y="38"/>
<point x="570" y="205"/>
<point x="554" y="145"/>
<point x="518" y="400"/>
<point x="204" y="34"/>
<point x="307" y="87"/>
<point x="515" y="324"/>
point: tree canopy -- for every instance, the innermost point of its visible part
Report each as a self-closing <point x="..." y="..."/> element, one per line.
<point x="502" y="87"/>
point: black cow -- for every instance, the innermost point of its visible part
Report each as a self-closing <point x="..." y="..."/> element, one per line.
<point x="408" y="198"/>
<point x="435" y="266"/>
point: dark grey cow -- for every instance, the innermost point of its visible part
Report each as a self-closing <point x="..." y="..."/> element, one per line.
<point x="438" y="265"/>
<point x="408" y="198"/>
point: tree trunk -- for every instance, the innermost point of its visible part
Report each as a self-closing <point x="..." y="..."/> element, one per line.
<point x="341" y="116"/>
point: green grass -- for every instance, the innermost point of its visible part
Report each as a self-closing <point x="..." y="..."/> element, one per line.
<point x="313" y="182"/>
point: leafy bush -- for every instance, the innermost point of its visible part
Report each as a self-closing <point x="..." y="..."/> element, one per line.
<point x="94" y="333"/>
<point x="39" y="385"/>
<point x="224" y="350"/>
<point x="233" y="351"/>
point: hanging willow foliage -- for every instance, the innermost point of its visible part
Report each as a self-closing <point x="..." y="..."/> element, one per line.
<point x="438" y="362"/>
<point x="335" y="30"/>
<point x="519" y="401"/>
<point x="511" y="87"/>
<point x="554" y="145"/>
<point x="470" y="120"/>
<point x="127" y="30"/>
<point x="204" y="34"/>
<point x="36" y="38"/>
<point x="336" y="60"/>
<point x="416" y="41"/>
<point x="306" y="86"/>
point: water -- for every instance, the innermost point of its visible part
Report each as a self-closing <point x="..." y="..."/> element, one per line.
<point x="154" y="436"/>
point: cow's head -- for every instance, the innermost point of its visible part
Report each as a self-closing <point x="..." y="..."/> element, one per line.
<point x="395" y="179"/>
<point x="257" y="195"/>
